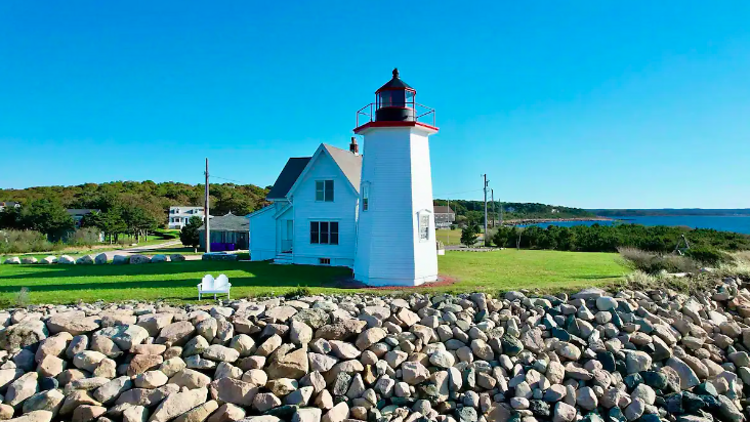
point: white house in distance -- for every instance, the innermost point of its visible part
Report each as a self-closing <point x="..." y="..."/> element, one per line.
<point x="371" y="212"/>
<point x="180" y="215"/>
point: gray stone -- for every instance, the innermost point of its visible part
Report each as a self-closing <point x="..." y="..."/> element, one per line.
<point x="177" y="404"/>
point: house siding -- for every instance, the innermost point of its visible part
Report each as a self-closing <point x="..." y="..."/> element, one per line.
<point x="263" y="234"/>
<point x="341" y="210"/>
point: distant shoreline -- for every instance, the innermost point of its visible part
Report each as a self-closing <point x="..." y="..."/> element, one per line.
<point x="518" y="221"/>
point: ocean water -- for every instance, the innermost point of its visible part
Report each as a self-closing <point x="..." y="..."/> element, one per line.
<point x="739" y="224"/>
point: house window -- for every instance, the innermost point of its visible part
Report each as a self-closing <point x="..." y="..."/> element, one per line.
<point x="324" y="261"/>
<point x="324" y="190"/>
<point x="324" y="232"/>
<point x="424" y="226"/>
<point x="365" y="196"/>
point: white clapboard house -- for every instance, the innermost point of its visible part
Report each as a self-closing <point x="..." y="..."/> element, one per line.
<point x="371" y="212"/>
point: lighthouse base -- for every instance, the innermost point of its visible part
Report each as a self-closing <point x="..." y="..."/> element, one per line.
<point x="403" y="282"/>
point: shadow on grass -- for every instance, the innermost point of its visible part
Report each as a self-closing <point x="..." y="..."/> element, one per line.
<point x="171" y="275"/>
<point x="596" y="277"/>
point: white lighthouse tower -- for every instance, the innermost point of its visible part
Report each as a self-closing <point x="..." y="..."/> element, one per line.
<point x="396" y="226"/>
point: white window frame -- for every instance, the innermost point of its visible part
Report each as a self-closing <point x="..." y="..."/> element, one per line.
<point x="328" y="242"/>
<point x="423" y="225"/>
<point x="325" y="198"/>
<point x="365" y="196"/>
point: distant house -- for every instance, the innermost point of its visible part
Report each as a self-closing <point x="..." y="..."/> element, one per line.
<point x="180" y="215"/>
<point x="228" y="233"/>
<point x="444" y="217"/>
<point x="78" y="214"/>
<point x="9" y="204"/>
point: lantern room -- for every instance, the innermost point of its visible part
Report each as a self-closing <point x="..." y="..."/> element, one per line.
<point x="395" y="105"/>
<point x="394" y="101"/>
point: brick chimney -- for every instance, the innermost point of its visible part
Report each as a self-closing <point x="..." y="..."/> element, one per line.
<point x="354" y="147"/>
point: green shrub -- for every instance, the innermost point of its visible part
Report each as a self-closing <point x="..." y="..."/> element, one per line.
<point x="87" y="236"/>
<point x="21" y="298"/>
<point x="24" y="241"/>
<point x="298" y="292"/>
<point x="469" y="235"/>
<point x="708" y="256"/>
<point x="655" y="263"/>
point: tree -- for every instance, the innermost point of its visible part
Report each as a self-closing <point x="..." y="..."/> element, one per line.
<point x="10" y="218"/>
<point x="566" y="239"/>
<point x="503" y="235"/>
<point x="47" y="217"/>
<point x="112" y="223"/>
<point x="189" y="235"/>
<point x="469" y="235"/>
<point x="92" y="219"/>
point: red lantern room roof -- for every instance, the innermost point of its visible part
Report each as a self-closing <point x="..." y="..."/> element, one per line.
<point x="396" y="84"/>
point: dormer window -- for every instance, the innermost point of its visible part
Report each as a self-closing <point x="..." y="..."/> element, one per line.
<point x="324" y="190"/>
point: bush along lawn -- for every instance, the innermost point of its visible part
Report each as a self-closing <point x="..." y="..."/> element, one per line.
<point x="177" y="281"/>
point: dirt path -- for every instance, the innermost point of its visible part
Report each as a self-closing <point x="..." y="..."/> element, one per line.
<point x="149" y="250"/>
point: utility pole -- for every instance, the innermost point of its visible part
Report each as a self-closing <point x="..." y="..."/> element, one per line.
<point x="449" y="228"/>
<point x="493" y="208"/>
<point x="486" y="240"/>
<point x="207" y="215"/>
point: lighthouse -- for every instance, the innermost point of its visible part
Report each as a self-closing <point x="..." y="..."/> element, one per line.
<point x="396" y="243"/>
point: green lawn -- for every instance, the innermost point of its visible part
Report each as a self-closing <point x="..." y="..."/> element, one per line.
<point x="176" y="281"/>
<point x="449" y="237"/>
<point x="512" y="269"/>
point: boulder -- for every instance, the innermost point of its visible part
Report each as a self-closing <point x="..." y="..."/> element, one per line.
<point x="50" y="259"/>
<point x="139" y="259"/>
<point x="66" y="260"/>
<point x="158" y="258"/>
<point x="179" y="403"/>
<point x="120" y="259"/>
<point x="85" y="260"/>
<point x="27" y="333"/>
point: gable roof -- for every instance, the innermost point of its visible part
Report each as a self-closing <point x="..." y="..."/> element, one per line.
<point x="81" y="211"/>
<point x="350" y="164"/>
<point x="288" y="176"/>
<point x="228" y="223"/>
<point x="443" y="209"/>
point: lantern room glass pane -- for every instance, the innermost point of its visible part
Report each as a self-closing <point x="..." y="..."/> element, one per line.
<point x="394" y="98"/>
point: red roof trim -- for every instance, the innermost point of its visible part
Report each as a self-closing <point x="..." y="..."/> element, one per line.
<point x="394" y="124"/>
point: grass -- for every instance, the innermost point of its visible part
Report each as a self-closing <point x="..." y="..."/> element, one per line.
<point x="512" y="269"/>
<point x="157" y="238"/>
<point x="176" y="281"/>
<point x="449" y="237"/>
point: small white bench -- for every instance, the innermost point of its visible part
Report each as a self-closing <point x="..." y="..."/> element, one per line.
<point x="218" y="286"/>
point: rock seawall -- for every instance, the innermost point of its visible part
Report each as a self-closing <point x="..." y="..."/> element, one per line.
<point x="634" y="356"/>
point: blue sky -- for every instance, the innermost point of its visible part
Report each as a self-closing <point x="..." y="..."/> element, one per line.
<point x="592" y="104"/>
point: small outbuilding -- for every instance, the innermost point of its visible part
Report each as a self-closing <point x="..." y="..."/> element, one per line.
<point x="228" y="233"/>
<point x="444" y="217"/>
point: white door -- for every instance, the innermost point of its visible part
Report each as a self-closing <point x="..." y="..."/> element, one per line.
<point x="286" y="242"/>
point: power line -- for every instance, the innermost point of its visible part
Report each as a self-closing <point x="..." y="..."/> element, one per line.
<point x="458" y="193"/>
<point x="231" y="180"/>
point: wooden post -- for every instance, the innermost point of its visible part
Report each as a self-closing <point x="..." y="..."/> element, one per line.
<point x="486" y="240"/>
